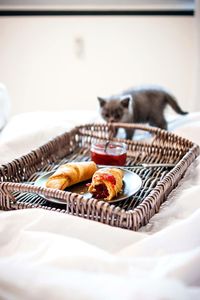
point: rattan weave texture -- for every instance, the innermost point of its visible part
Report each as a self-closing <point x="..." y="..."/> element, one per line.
<point x="17" y="189"/>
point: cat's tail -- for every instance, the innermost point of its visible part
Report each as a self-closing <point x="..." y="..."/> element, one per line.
<point x="174" y="104"/>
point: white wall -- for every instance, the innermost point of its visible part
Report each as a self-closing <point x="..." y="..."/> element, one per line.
<point x="56" y="63"/>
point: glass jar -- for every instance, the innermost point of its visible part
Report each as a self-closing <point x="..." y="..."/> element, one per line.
<point x="109" y="153"/>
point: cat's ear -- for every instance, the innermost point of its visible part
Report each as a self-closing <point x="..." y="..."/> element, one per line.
<point x="125" y="101"/>
<point x="102" y="101"/>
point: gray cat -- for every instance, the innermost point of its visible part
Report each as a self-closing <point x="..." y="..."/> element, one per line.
<point x="140" y="105"/>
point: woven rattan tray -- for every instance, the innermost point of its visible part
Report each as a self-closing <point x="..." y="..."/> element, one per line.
<point x="17" y="189"/>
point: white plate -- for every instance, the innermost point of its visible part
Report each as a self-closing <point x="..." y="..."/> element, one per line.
<point x="131" y="184"/>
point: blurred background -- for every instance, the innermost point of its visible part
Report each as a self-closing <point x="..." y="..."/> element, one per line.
<point x="61" y="55"/>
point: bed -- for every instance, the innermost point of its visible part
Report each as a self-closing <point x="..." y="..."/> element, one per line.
<point x="65" y="257"/>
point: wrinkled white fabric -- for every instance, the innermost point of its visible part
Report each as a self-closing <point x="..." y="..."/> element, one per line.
<point x="27" y="131"/>
<point x="45" y="254"/>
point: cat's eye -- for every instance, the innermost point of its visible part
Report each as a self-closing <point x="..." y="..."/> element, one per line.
<point x="107" y="115"/>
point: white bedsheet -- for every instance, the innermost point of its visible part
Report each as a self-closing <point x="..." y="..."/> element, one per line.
<point x="45" y="254"/>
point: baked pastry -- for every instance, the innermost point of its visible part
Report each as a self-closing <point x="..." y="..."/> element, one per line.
<point x="106" y="183"/>
<point x="71" y="173"/>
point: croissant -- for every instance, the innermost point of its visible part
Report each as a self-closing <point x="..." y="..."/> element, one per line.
<point x="106" y="183"/>
<point x="71" y="173"/>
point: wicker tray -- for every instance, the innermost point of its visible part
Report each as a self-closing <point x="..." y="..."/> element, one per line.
<point x="17" y="189"/>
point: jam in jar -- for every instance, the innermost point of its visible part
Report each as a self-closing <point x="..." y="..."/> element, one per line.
<point x="109" y="153"/>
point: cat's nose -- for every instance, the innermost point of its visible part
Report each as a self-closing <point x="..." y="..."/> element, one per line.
<point x="111" y="120"/>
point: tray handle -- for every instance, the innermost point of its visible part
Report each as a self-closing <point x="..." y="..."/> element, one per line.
<point x="7" y="198"/>
<point x="160" y="136"/>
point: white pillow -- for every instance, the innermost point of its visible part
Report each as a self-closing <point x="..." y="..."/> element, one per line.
<point x="4" y="105"/>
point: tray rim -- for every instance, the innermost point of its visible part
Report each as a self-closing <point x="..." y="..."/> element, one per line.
<point x="118" y="217"/>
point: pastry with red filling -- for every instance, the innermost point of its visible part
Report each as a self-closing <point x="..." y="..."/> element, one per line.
<point x="70" y="174"/>
<point x="106" y="183"/>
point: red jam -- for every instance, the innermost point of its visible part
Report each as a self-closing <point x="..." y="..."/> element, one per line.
<point x="101" y="191"/>
<point x="112" y="155"/>
<point x="109" y="177"/>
